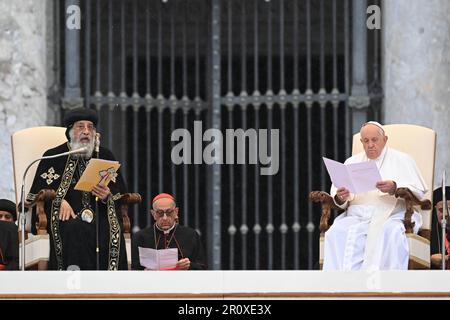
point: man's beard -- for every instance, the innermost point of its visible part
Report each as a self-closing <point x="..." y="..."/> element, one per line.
<point x="76" y="144"/>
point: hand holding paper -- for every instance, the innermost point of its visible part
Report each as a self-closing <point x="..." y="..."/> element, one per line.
<point x="356" y="177"/>
<point x="101" y="191"/>
<point x="183" y="264"/>
<point x="387" y="186"/>
<point x="163" y="259"/>
<point x="98" y="171"/>
<point x="343" y="194"/>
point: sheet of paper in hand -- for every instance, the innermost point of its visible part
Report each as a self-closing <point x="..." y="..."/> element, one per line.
<point x="356" y="177"/>
<point x="163" y="259"/>
<point x="98" y="170"/>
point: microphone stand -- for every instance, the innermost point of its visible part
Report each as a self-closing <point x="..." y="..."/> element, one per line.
<point x="444" y="222"/>
<point x="22" y="191"/>
<point x="97" y="247"/>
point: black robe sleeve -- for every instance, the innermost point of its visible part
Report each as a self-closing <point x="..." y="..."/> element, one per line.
<point x="136" y="242"/>
<point x="198" y="261"/>
<point x="55" y="167"/>
<point x="9" y="245"/>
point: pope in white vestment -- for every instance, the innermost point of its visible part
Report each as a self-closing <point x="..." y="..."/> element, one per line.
<point x="370" y="234"/>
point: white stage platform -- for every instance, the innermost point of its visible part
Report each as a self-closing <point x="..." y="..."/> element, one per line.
<point x="223" y="284"/>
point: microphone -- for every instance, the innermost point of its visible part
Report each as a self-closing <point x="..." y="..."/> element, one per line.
<point x="97" y="247"/>
<point x="82" y="150"/>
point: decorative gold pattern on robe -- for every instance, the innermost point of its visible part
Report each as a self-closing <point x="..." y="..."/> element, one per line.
<point x="56" y="206"/>
<point x="114" y="230"/>
<point x="117" y="196"/>
<point x="31" y="197"/>
<point x="114" y="236"/>
<point x="50" y="176"/>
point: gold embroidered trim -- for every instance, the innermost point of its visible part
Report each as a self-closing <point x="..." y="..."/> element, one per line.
<point x="117" y="196"/>
<point x="31" y="197"/>
<point x="69" y="170"/>
<point x="114" y="236"/>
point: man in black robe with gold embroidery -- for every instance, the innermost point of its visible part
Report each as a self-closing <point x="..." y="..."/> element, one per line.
<point x="71" y="216"/>
<point x="167" y="233"/>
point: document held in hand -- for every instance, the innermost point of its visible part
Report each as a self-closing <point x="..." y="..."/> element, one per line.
<point x="98" y="170"/>
<point x="163" y="259"/>
<point x="356" y="177"/>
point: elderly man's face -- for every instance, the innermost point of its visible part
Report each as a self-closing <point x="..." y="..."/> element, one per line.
<point x="165" y="213"/>
<point x="6" y="216"/>
<point x="83" y="131"/>
<point x="373" y="141"/>
<point x="440" y="210"/>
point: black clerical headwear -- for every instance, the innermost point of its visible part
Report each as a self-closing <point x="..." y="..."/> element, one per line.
<point x="437" y="194"/>
<point x="8" y="206"/>
<point x="79" y="114"/>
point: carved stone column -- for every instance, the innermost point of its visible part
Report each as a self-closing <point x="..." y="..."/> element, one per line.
<point x="23" y="76"/>
<point x="417" y="69"/>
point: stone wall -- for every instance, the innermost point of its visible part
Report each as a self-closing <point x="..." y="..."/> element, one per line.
<point x="23" y="76"/>
<point x="417" y="69"/>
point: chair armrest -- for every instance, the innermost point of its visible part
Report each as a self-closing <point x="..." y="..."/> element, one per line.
<point x="125" y="200"/>
<point x="131" y="198"/>
<point x="39" y="202"/>
<point x="410" y="201"/>
<point x="327" y="204"/>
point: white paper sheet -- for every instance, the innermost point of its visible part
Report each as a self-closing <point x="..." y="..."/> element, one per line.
<point x="163" y="259"/>
<point x="356" y="177"/>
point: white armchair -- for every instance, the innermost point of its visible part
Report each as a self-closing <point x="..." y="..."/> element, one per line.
<point x="420" y="143"/>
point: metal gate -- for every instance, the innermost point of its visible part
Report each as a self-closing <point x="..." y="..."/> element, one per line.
<point x="301" y="67"/>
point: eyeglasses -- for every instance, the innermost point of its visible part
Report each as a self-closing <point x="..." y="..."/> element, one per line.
<point x="81" y="127"/>
<point x="169" y="213"/>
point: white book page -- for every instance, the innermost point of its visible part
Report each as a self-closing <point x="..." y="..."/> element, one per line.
<point x="356" y="177"/>
<point x="163" y="259"/>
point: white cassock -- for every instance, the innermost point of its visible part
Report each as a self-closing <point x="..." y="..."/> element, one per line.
<point x="370" y="234"/>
